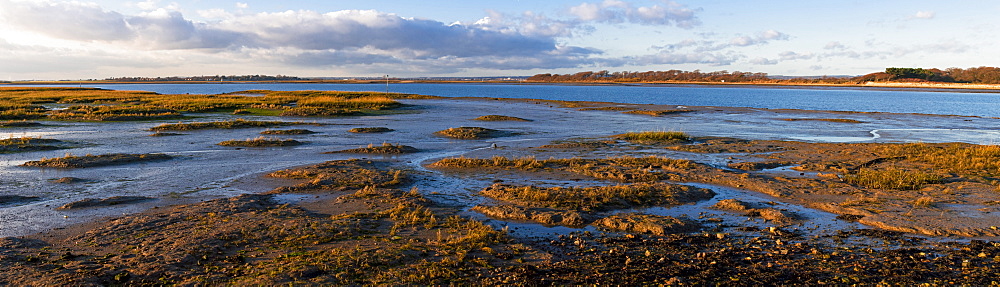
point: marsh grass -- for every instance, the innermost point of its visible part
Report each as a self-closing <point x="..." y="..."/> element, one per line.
<point x="113" y="113"/>
<point x="70" y="161"/>
<point x="470" y="133"/>
<point x="654" y="137"/>
<point x="288" y="132"/>
<point x="494" y="118"/>
<point x="599" y="198"/>
<point x="370" y="130"/>
<point x="27" y="144"/>
<point x="624" y="169"/>
<point x="340" y="175"/>
<point x="385" y="148"/>
<point x="318" y="112"/>
<point x="605" y="109"/>
<point x="891" y="178"/>
<point x="261" y="142"/>
<point x="18" y="124"/>
<point x="657" y="113"/>
<point x="231" y="124"/>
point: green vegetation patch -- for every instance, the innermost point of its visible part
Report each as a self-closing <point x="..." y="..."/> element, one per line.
<point x="599" y="198"/>
<point x="385" y="148"/>
<point x="231" y="124"/>
<point x="318" y="112"/>
<point x="624" y="169"/>
<point x="495" y="118"/>
<point x="27" y="144"/>
<point x="471" y="133"/>
<point x="288" y="132"/>
<point x="261" y="142"/>
<point x="654" y="137"/>
<point x="70" y="161"/>
<point x="370" y="130"/>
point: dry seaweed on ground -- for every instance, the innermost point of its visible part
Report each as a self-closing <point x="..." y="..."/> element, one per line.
<point x="340" y="175"/>
<point x="385" y="148"/>
<point x="848" y="121"/>
<point x="545" y="216"/>
<point x="261" y="142"/>
<point x="595" y="144"/>
<point x="471" y="133"/>
<point x="28" y="144"/>
<point x="288" y="132"/>
<point x="230" y="124"/>
<point x="370" y="130"/>
<point x="651" y="137"/>
<point x="657" y="113"/>
<point x="769" y="214"/>
<point x="495" y="118"/>
<point x="164" y="134"/>
<point x="114" y="200"/>
<point x="599" y="198"/>
<point x="68" y="180"/>
<point x="647" y="224"/>
<point x="71" y="161"/>
<point x="606" y="109"/>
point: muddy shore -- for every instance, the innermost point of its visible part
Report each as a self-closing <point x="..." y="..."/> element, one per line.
<point x="753" y="197"/>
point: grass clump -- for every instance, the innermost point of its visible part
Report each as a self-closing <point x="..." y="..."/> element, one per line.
<point x="261" y="142"/>
<point x="495" y="118"/>
<point x="70" y="161"/>
<point x="27" y="144"/>
<point x="18" y="124"/>
<point x="370" y="130"/>
<point x="113" y="113"/>
<point x="231" y="124"/>
<point x="891" y="178"/>
<point x="385" y="148"/>
<point x="599" y="198"/>
<point x="318" y="112"/>
<point x="624" y="169"/>
<point x="654" y="137"/>
<point x="848" y="121"/>
<point x="470" y="133"/>
<point x="657" y="113"/>
<point x="339" y="175"/>
<point x="288" y="132"/>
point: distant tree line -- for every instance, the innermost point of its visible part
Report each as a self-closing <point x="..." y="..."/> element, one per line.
<point x="653" y="76"/>
<point x="216" y="78"/>
<point x="980" y="75"/>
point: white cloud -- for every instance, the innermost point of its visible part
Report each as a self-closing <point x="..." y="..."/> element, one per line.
<point x="616" y="12"/>
<point x="759" y="39"/>
<point x="924" y="15"/>
<point x="763" y="61"/>
<point x="791" y="56"/>
<point x="834" y="46"/>
<point x="242" y="5"/>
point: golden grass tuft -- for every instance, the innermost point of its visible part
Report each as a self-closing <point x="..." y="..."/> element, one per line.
<point x="891" y="178"/>
<point x="654" y="137"/>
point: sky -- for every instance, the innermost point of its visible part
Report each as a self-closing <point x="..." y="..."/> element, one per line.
<point x="97" y="39"/>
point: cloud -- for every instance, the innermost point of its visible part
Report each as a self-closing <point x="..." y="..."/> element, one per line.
<point x="759" y="39"/>
<point x="791" y="56"/>
<point x="926" y="15"/>
<point x="763" y="61"/>
<point x="66" y="20"/>
<point x="834" y="46"/>
<point x="617" y="12"/>
<point x="242" y="5"/>
<point x="670" y="58"/>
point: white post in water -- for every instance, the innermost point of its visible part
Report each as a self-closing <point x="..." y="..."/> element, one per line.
<point x="386" y="84"/>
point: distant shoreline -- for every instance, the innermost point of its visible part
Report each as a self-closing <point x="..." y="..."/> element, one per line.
<point x="907" y="85"/>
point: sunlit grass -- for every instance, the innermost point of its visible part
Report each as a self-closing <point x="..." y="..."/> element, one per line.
<point x="891" y="178"/>
<point x="654" y="136"/>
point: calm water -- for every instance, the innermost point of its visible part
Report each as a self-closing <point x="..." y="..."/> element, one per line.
<point x="942" y="102"/>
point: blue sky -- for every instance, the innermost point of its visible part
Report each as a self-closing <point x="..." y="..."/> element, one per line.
<point x="55" y="39"/>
